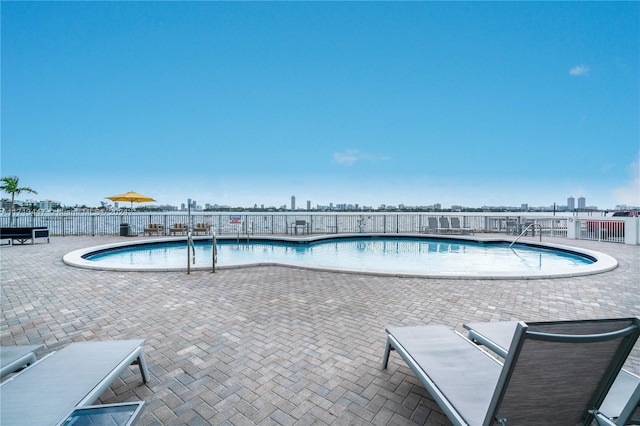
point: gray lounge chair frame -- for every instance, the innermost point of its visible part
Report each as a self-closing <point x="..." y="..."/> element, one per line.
<point x="47" y="391"/>
<point x="622" y="399"/>
<point x="432" y="225"/>
<point x="444" y="228"/>
<point x="13" y="358"/>
<point x="553" y="375"/>
<point x="455" y="226"/>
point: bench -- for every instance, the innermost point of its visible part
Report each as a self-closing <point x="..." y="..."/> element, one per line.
<point x="299" y="224"/>
<point x="55" y="386"/>
<point x="25" y="233"/>
<point x="201" y="228"/>
<point x="179" y="228"/>
<point x="154" y="228"/>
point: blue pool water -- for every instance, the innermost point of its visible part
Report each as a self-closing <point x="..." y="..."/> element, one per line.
<point x="371" y="254"/>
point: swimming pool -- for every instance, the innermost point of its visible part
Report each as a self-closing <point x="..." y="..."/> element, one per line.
<point x="380" y="254"/>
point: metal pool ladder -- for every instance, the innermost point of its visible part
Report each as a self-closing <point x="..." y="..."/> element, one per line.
<point x="525" y="231"/>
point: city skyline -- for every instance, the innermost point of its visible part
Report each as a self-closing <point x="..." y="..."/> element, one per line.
<point x="48" y="205"/>
<point x="370" y="103"/>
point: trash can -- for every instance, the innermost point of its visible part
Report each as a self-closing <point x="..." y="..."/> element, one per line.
<point x="124" y="229"/>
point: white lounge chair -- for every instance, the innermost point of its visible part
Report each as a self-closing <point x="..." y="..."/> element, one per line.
<point x="13" y="358"/>
<point x="49" y="390"/>
<point x="554" y="375"/>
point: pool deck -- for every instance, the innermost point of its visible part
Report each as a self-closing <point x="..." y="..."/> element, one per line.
<point x="274" y="345"/>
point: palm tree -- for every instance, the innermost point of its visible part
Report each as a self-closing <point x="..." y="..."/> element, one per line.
<point x="10" y="186"/>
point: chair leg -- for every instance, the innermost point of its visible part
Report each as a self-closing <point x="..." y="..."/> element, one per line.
<point x="385" y="357"/>
<point x="142" y="363"/>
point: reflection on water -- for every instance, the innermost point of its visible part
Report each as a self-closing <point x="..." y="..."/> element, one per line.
<point x="370" y="254"/>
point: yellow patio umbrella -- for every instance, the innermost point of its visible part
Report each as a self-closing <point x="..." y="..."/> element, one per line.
<point x="131" y="196"/>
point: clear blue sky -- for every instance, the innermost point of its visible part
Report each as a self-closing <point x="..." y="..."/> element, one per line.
<point x="235" y="103"/>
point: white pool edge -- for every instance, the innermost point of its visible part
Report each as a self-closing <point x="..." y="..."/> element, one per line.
<point x="603" y="262"/>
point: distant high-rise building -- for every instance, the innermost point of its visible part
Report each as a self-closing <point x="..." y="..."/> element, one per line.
<point x="582" y="203"/>
<point x="571" y="203"/>
<point x="308" y="205"/>
<point x="47" y="204"/>
<point x="293" y="202"/>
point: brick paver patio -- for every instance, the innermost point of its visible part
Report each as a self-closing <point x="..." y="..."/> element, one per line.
<point x="277" y="345"/>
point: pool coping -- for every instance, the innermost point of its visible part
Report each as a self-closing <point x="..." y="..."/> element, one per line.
<point x="603" y="262"/>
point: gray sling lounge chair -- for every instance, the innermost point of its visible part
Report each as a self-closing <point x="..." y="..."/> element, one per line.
<point x="455" y="227"/>
<point x="444" y="225"/>
<point x="432" y="226"/>
<point x="622" y="399"/>
<point x="553" y="375"/>
<point x="49" y="390"/>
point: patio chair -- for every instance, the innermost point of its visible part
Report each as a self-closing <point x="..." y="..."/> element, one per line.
<point x="553" y="375"/>
<point x="444" y="225"/>
<point x="432" y="226"/>
<point x="512" y="227"/>
<point x="622" y="399"/>
<point x="52" y="388"/>
<point x="455" y="227"/>
<point x="14" y="358"/>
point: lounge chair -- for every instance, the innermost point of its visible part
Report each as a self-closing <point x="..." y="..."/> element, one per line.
<point x="512" y="227"/>
<point x="622" y="399"/>
<point x="13" y="358"/>
<point x="455" y="227"/>
<point x="444" y="225"/>
<point x="432" y="226"/>
<point x="554" y="373"/>
<point x="49" y="390"/>
<point x="179" y="228"/>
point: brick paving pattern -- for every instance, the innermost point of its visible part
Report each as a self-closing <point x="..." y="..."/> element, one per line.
<point x="278" y="345"/>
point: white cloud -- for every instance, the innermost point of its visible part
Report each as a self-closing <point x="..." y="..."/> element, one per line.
<point x="351" y="156"/>
<point x="630" y="193"/>
<point x="348" y="157"/>
<point x="579" y="70"/>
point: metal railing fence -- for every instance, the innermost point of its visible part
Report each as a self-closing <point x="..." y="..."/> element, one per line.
<point x="610" y="230"/>
<point x="109" y="223"/>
